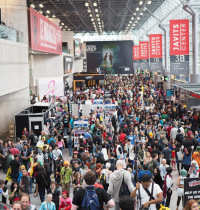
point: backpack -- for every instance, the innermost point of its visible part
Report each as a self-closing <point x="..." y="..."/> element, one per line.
<point x="123" y="188"/>
<point x="102" y="179"/>
<point x="35" y="139"/>
<point x="90" y="200"/>
<point x="151" y="166"/>
<point x="95" y="129"/>
<point x="100" y="158"/>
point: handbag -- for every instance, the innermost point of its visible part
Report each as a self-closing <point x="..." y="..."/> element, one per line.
<point x="123" y="188"/>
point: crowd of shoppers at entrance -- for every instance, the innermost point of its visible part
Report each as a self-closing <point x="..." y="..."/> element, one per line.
<point x="130" y="166"/>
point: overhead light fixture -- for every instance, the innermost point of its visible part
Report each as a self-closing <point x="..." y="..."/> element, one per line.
<point x="99" y="23"/>
<point x="66" y="27"/>
<point x="138" y="18"/>
<point x="69" y="29"/>
<point x="41" y="12"/>
<point x="95" y="4"/>
<point x="93" y="23"/>
<point x="134" y="14"/>
<point x="140" y="3"/>
<point x="132" y="18"/>
<point x="130" y="21"/>
<point x="41" y="5"/>
<point x="90" y="15"/>
<point x="89" y="10"/>
<point x="86" y="4"/>
<point x="63" y="29"/>
<point x="137" y="9"/>
<point x="63" y="24"/>
<point x="48" y="11"/>
<point x="33" y="6"/>
<point x="92" y="19"/>
<point x="141" y="13"/>
<point x="133" y="24"/>
<point x="60" y="26"/>
<point x="136" y="21"/>
<point x="149" y="2"/>
<point x="47" y="16"/>
<point x="98" y="19"/>
<point x="97" y="15"/>
<point x="53" y="16"/>
<point x="145" y="9"/>
<point x="96" y="10"/>
<point x="129" y="24"/>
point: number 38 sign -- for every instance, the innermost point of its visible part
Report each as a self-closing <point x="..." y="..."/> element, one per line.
<point x="179" y="47"/>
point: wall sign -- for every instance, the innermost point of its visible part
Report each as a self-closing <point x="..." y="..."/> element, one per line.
<point x="144" y="55"/>
<point x="155" y="48"/>
<point x="45" y="35"/>
<point x="179" y="46"/>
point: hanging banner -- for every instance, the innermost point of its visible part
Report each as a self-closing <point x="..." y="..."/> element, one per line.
<point x="155" y="48"/>
<point x="179" y="46"/>
<point x="136" y="58"/>
<point x="191" y="190"/>
<point x="45" y="35"/>
<point x="144" y="55"/>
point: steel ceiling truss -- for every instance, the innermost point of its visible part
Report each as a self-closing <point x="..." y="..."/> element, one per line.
<point x="115" y="14"/>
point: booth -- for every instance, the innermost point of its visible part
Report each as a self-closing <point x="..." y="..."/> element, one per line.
<point x="88" y="80"/>
<point x="34" y="118"/>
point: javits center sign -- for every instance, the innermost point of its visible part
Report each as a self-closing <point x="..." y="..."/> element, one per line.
<point x="111" y="57"/>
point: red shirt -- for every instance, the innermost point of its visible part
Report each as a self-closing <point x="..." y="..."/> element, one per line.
<point x="122" y="138"/>
<point x="14" y="151"/>
<point x="169" y="131"/>
<point x="98" y="185"/>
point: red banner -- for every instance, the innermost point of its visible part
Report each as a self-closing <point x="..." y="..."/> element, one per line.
<point x="144" y="50"/>
<point x="45" y="35"/>
<point x="136" y="52"/>
<point x="179" y="37"/>
<point x="155" y="45"/>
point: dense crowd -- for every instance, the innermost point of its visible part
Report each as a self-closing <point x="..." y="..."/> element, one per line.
<point x="127" y="167"/>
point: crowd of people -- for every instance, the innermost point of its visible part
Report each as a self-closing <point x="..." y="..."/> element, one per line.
<point x="128" y="166"/>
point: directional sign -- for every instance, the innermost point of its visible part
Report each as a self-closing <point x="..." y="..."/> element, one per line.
<point x="169" y="92"/>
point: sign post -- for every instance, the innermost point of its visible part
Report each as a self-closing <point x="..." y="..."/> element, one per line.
<point x="155" y="45"/>
<point x="136" y="58"/>
<point x="179" y="47"/>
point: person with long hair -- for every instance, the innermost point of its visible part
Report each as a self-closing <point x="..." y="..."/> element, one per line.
<point x="60" y="142"/>
<point x="167" y="188"/>
<point x="78" y="182"/>
<point x="192" y="205"/>
<point x="157" y="177"/>
<point x="65" y="201"/>
<point x="187" y="154"/>
<point x="180" y="185"/>
<point x="14" y="194"/>
<point x="147" y="158"/>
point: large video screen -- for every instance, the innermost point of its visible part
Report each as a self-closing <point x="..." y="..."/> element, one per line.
<point x="113" y="57"/>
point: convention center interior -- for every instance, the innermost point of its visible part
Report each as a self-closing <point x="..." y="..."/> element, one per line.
<point x="100" y="104"/>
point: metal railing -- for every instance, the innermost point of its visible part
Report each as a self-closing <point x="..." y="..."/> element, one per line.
<point x="10" y="34"/>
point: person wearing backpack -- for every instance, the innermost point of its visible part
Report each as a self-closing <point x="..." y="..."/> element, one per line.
<point x="119" y="179"/>
<point x="99" y="157"/>
<point x="90" y="197"/>
<point x="105" y="176"/>
<point x="51" y="142"/>
<point x="33" y="139"/>
<point x="148" y="192"/>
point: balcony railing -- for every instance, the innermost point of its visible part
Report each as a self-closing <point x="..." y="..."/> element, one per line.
<point x="10" y="34"/>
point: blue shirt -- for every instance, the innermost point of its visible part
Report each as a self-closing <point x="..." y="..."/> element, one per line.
<point x="51" y="139"/>
<point x="141" y="173"/>
<point x="132" y="138"/>
<point x="48" y="206"/>
<point x="87" y="135"/>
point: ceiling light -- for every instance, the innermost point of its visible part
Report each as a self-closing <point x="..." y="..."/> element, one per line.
<point x="132" y="18"/>
<point x="136" y="21"/>
<point x="149" y="2"/>
<point x="140" y="2"/>
<point x="89" y="10"/>
<point x="95" y="4"/>
<point x="48" y="11"/>
<point x="141" y="13"/>
<point x="137" y="9"/>
<point x="53" y="16"/>
<point x="129" y="24"/>
<point x="130" y="21"/>
<point x="138" y="18"/>
<point x="63" y="29"/>
<point x="96" y="10"/>
<point x="134" y="14"/>
<point x="86" y="4"/>
<point x="93" y="23"/>
<point x="33" y="6"/>
<point x="68" y="29"/>
<point x="92" y="19"/>
<point x="63" y="24"/>
<point x="90" y="15"/>
<point x="47" y="16"/>
<point x="133" y="24"/>
<point x="145" y="9"/>
<point x="60" y="26"/>
<point x="41" y="5"/>
<point x="99" y="23"/>
<point x="41" y="12"/>
<point x="97" y="15"/>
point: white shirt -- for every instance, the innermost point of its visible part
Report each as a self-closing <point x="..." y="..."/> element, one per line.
<point x="144" y="196"/>
<point x="104" y="171"/>
<point x="105" y="154"/>
<point x="56" y="153"/>
<point x="163" y="170"/>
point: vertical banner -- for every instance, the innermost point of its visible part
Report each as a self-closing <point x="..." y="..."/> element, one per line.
<point x="155" y="48"/>
<point x="179" y="47"/>
<point x="144" y="55"/>
<point x="136" y="58"/>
